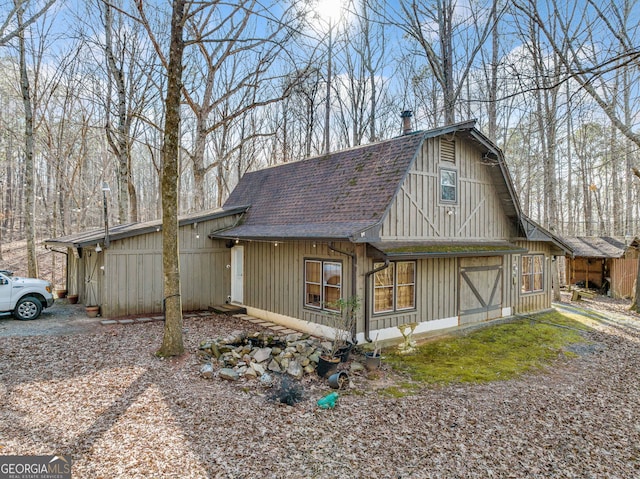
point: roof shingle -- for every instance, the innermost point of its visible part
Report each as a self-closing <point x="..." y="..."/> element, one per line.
<point x="333" y="195"/>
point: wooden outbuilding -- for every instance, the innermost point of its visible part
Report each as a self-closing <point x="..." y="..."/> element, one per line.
<point x="422" y="229"/>
<point x="123" y="273"/>
<point x="605" y="263"/>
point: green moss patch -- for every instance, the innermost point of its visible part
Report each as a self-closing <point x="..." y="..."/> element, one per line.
<point x="498" y="352"/>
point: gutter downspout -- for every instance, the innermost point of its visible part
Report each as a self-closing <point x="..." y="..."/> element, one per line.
<point x="354" y="272"/>
<point x="367" y="313"/>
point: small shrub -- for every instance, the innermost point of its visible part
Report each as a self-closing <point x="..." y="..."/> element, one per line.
<point x="288" y="392"/>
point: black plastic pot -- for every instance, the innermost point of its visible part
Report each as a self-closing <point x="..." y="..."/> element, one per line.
<point x="372" y="361"/>
<point x="339" y="380"/>
<point x="343" y="352"/>
<point x="327" y="366"/>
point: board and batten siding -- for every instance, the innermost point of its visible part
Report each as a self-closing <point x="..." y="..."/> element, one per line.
<point x="133" y="267"/>
<point x="623" y="276"/>
<point x="418" y="213"/>
<point x="539" y="301"/>
<point x="274" y="276"/>
<point x="436" y="295"/>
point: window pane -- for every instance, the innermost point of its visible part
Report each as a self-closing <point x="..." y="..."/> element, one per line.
<point x="313" y="269"/>
<point x="526" y="283"/>
<point x="526" y="264"/>
<point x="331" y="297"/>
<point x="537" y="263"/>
<point x="448" y="178"/>
<point x="384" y="277"/>
<point x="406" y="272"/>
<point x="405" y="298"/>
<point x="313" y="295"/>
<point x="383" y="300"/>
<point x="537" y="282"/>
<point x="333" y="273"/>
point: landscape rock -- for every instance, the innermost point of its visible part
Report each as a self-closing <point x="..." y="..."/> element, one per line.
<point x="356" y="367"/>
<point x="258" y="368"/>
<point x="251" y="355"/>
<point x="229" y="374"/>
<point x="262" y="354"/>
<point x="294" y="369"/>
<point x="206" y="371"/>
<point x="274" y="366"/>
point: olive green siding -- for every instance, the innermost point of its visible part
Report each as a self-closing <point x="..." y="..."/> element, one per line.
<point x="274" y="276"/>
<point x="530" y="302"/>
<point x="418" y="214"/>
<point x="436" y="294"/>
<point x="127" y="279"/>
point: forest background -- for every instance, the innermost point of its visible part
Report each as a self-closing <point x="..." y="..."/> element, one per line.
<point x="552" y="83"/>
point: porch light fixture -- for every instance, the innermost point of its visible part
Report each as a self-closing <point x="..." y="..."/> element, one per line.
<point x="98" y="248"/>
<point x="105" y="188"/>
<point x="275" y="244"/>
<point x="237" y="240"/>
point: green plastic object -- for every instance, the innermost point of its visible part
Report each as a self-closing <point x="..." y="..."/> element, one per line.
<point x="329" y="401"/>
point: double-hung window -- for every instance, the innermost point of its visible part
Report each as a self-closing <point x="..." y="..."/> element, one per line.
<point x="322" y="284"/>
<point x="394" y="287"/>
<point x="532" y="273"/>
<point x="448" y="185"/>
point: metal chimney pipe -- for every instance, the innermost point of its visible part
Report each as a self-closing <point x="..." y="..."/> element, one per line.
<point x="406" y="121"/>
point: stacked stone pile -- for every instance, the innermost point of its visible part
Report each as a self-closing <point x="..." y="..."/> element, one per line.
<point x="252" y="355"/>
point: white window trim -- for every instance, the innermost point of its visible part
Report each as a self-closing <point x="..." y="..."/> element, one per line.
<point x="456" y="186"/>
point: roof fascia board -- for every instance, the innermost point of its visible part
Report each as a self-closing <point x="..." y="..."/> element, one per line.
<point x="145" y="228"/>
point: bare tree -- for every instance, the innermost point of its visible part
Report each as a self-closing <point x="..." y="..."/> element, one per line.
<point x="29" y="172"/>
<point x="14" y="23"/>
<point x="172" y="344"/>
<point x="449" y="40"/>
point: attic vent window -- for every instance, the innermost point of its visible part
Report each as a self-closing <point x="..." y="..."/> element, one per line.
<point x="447" y="150"/>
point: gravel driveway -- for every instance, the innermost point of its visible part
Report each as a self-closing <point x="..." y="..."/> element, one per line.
<point x="120" y="412"/>
<point x="60" y="319"/>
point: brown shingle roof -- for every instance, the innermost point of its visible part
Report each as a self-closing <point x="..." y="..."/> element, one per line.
<point x="328" y="196"/>
<point x="596" y="246"/>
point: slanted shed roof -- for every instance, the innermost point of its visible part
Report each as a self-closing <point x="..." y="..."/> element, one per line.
<point x="85" y="238"/>
<point x="328" y="196"/>
<point x="596" y="246"/>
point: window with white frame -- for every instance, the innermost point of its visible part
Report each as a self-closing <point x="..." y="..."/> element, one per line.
<point x="394" y="287"/>
<point x="448" y="186"/>
<point x="532" y="273"/>
<point x="322" y="284"/>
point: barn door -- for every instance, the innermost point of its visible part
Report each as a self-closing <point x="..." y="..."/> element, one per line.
<point x="480" y="289"/>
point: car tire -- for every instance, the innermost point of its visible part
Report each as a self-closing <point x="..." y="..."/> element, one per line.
<point x="28" y="308"/>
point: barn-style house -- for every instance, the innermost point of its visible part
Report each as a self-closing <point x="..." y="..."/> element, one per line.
<point x="424" y="228"/>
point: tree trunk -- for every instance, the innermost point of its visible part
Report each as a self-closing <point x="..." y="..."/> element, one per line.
<point x="635" y="306"/>
<point x="29" y="170"/>
<point x="172" y="344"/>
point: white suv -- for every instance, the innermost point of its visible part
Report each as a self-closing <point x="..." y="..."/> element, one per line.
<point x="24" y="297"/>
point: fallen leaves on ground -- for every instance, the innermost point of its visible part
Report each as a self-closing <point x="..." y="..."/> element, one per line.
<point x="121" y="412"/>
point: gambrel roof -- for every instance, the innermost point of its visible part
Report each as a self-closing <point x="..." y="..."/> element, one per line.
<point x="341" y="195"/>
<point x="329" y="196"/>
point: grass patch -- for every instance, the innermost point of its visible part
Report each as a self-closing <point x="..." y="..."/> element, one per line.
<point x="494" y="353"/>
<point x="404" y="389"/>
